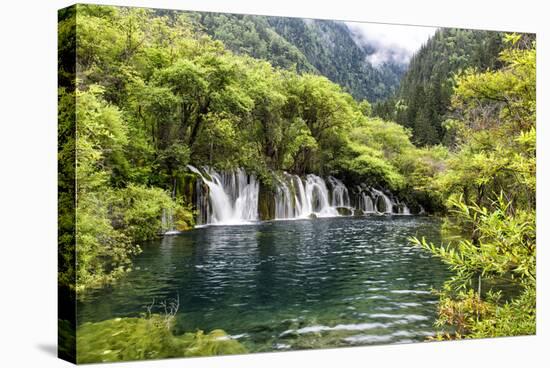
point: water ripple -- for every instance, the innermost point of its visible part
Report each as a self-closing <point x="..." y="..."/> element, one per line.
<point x="288" y="284"/>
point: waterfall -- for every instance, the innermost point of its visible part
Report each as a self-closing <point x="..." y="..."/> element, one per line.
<point x="404" y="210"/>
<point x="367" y="204"/>
<point x="422" y="211"/>
<point x="283" y="199"/>
<point x="317" y="195"/>
<point x="227" y="198"/>
<point x="167" y="222"/>
<point x="303" y="204"/>
<point x="296" y="198"/>
<point x="232" y="196"/>
<point x="384" y="200"/>
<point x="340" y="195"/>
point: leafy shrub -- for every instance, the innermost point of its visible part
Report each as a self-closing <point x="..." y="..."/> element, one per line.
<point x="503" y="246"/>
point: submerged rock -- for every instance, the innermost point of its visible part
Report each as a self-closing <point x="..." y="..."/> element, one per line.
<point x="123" y="339"/>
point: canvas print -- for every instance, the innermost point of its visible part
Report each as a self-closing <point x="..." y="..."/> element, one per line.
<point x="233" y="184"/>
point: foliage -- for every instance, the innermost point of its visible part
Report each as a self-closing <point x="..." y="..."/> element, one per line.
<point x="375" y="145"/>
<point x="151" y="337"/>
<point x="110" y="222"/>
<point x="99" y="132"/>
<point x="321" y="47"/>
<point x="185" y="98"/>
<point x="503" y="244"/>
<point x="512" y="90"/>
<point x="422" y="165"/>
<point x="136" y="211"/>
<point x="514" y="318"/>
<point x="328" y="113"/>
<point x="103" y="253"/>
<point x="155" y="91"/>
<point x="424" y="97"/>
<point x="497" y="154"/>
<point x="254" y="36"/>
<point x="66" y="188"/>
<point x="504" y="248"/>
<point x="496" y="137"/>
<point x="381" y="154"/>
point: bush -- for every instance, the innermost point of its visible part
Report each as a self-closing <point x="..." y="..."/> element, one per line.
<point x="502" y="246"/>
<point x="137" y="211"/>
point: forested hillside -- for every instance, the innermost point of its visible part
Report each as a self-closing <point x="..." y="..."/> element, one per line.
<point x="330" y="47"/>
<point x="319" y="46"/>
<point x="424" y="97"/>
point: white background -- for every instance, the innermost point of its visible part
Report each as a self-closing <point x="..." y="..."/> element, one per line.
<point x="28" y="181"/>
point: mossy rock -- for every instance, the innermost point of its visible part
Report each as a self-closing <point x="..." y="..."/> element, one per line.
<point x="312" y="216"/>
<point x="358" y="212"/>
<point x="184" y="219"/>
<point x="266" y="203"/>
<point x="185" y="186"/>
<point x="183" y="226"/>
<point x="344" y="211"/>
<point x="123" y="339"/>
<point x="217" y="342"/>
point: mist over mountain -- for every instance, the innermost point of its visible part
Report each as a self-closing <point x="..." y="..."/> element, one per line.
<point x="424" y="97"/>
<point x="389" y="43"/>
<point x="365" y="67"/>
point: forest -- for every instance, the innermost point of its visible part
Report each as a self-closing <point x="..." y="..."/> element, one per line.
<point x="145" y="93"/>
<point x="307" y="46"/>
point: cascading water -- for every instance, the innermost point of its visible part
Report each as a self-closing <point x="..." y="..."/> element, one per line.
<point x="284" y="200"/>
<point x="317" y="195"/>
<point x="303" y="204"/>
<point x="404" y="210"/>
<point x="167" y="223"/>
<point x="202" y="203"/>
<point x="340" y="194"/>
<point x="383" y="202"/>
<point x="367" y="205"/>
<point x="227" y="198"/>
<point x="232" y="196"/>
<point x="295" y="198"/>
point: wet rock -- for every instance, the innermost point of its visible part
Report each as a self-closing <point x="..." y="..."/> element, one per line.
<point x="344" y="211"/>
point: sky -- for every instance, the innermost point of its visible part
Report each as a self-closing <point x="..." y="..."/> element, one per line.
<point x="395" y="43"/>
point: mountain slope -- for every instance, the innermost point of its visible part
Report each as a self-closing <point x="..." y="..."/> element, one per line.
<point x="426" y="88"/>
<point x="317" y="46"/>
<point x="331" y="48"/>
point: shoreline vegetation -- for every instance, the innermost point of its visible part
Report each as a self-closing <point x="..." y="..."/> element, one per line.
<point x="126" y="339"/>
<point x="149" y="336"/>
<point x="152" y="92"/>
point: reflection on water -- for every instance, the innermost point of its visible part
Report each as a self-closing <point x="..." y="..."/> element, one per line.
<point x="289" y="284"/>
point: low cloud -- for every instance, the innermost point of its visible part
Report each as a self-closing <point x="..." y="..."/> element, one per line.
<point x="386" y="43"/>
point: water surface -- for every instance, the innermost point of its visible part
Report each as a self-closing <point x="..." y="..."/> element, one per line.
<point x="289" y="284"/>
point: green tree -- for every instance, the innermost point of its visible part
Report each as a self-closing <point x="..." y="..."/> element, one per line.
<point x="426" y="88"/>
<point x="490" y="186"/>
